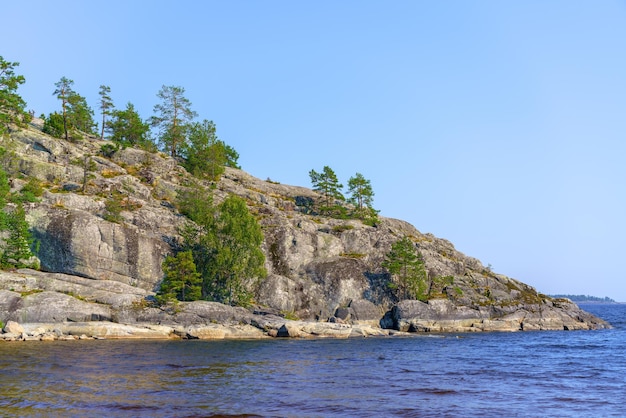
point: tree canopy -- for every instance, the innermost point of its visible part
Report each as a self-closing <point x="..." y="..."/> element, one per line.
<point x="327" y="183"/>
<point x="15" y="237"/>
<point x="63" y="92"/>
<point x="406" y="264"/>
<point x="205" y="155"/>
<point x="127" y="129"/>
<point x="75" y="112"/>
<point x="106" y="106"/>
<point x="226" y="247"/>
<point x="361" y="192"/>
<point x="11" y="104"/>
<point x="172" y="117"/>
<point x="181" y="281"/>
<point x="362" y="196"/>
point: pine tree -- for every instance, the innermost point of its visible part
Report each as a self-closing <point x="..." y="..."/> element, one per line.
<point x="405" y="262"/>
<point x="127" y="129"/>
<point x="173" y="115"/>
<point x="16" y="252"/>
<point x="63" y="92"/>
<point x="327" y="183"/>
<point x="205" y="155"/>
<point x="75" y="111"/>
<point x="106" y="106"/>
<point x="11" y="104"/>
<point x="181" y="281"/>
<point x="79" y="114"/>
<point x="361" y="190"/>
<point x="54" y="125"/>
<point x="236" y="241"/>
<point x="226" y="246"/>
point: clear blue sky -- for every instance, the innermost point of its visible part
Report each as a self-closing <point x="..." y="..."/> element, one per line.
<point x="499" y="125"/>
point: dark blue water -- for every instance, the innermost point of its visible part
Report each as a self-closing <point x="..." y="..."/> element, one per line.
<point x="526" y="374"/>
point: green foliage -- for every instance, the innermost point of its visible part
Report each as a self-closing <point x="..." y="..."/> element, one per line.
<point x="115" y="203"/>
<point x="237" y="243"/>
<point x="80" y="115"/>
<point x="113" y="207"/>
<point x="232" y="157"/>
<point x="108" y="150"/>
<point x="362" y="197"/>
<point x="5" y="188"/>
<point x="361" y="192"/>
<point x="106" y="106"/>
<point x="438" y="284"/>
<point x="341" y="228"/>
<point x="63" y="92"/>
<point x="197" y="206"/>
<point x="407" y="265"/>
<point x="173" y="116"/>
<point x="128" y="130"/>
<point x="369" y="216"/>
<point x="89" y="166"/>
<point x="226" y="246"/>
<point x="16" y="252"/>
<point x="11" y="104"/>
<point x="584" y="298"/>
<point x="328" y="185"/>
<point x="205" y="155"/>
<point x="30" y="192"/>
<point x="75" y="112"/>
<point x="53" y="125"/>
<point x="290" y="315"/>
<point x="181" y="280"/>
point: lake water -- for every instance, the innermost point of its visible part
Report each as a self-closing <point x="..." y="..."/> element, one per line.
<point x="525" y="374"/>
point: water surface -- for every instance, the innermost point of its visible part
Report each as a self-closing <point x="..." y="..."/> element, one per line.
<point x="570" y="373"/>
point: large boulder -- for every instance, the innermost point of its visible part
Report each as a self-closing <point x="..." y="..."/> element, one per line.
<point x="49" y="306"/>
<point x="13" y="327"/>
<point x="79" y="243"/>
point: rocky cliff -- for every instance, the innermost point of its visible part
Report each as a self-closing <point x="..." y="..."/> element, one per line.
<point x="101" y="249"/>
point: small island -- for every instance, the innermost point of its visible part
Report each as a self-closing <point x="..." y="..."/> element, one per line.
<point x="585" y="298"/>
<point x="151" y="229"/>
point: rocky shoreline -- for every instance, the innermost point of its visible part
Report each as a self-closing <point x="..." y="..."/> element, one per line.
<point x="109" y="330"/>
<point x="50" y="306"/>
<point x="98" y="273"/>
<point x="215" y="321"/>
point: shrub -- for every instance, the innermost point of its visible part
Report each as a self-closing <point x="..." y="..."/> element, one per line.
<point x="31" y="192"/>
<point x="53" y="125"/>
<point x="108" y="150"/>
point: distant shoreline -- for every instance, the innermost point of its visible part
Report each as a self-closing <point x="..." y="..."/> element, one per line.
<point x="595" y="302"/>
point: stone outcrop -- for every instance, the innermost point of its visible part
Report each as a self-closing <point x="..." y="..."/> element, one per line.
<point x="441" y="315"/>
<point x="103" y="235"/>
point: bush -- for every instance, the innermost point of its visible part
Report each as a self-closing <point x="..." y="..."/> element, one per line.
<point x="53" y="125"/>
<point x="31" y="192"/>
<point x="108" y="150"/>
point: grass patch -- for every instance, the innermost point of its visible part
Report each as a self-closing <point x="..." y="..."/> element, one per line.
<point x="30" y="292"/>
<point x="342" y="228"/>
<point x="108" y="173"/>
<point x="291" y="315"/>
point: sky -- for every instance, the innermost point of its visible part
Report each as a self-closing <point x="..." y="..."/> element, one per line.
<point x="496" y="125"/>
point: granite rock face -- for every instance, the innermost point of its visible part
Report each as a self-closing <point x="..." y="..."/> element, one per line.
<point x="441" y="315"/>
<point x="104" y="233"/>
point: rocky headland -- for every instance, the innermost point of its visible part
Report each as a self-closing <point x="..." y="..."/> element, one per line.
<point x="98" y="273"/>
